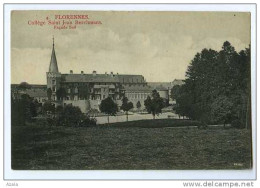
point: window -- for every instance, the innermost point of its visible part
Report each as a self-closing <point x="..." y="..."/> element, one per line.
<point x="54" y="88"/>
<point x="53" y="82"/>
<point x="69" y="90"/>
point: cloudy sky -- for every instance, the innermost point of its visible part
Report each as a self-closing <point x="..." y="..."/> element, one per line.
<point x="158" y="45"/>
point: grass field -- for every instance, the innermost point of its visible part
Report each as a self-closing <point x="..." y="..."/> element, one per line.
<point x="41" y="147"/>
<point x="154" y="123"/>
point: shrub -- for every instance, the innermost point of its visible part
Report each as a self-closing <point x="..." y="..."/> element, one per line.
<point x="236" y="124"/>
<point x="72" y="116"/>
<point x="23" y="110"/>
<point x="48" y="107"/>
<point x="88" y="122"/>
<point x="109" y="107"/>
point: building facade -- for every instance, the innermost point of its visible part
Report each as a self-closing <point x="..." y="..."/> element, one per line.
<point x="88" y="90"/>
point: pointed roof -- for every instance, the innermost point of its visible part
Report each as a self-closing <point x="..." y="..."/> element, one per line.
<point x="53" y="64"/>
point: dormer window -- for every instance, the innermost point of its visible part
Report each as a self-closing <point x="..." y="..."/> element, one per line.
<point x="53" y="82"/>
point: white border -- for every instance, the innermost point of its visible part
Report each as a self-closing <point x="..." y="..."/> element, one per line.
<point x="10" y="174"/>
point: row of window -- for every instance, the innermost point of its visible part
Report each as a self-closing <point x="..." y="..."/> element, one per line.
<point x="124" y="83"/>
<point x="75" y="90"/>
<point x="137" y="95"/>
<point x="96" y="97"/>
<point x="133" y="80"/>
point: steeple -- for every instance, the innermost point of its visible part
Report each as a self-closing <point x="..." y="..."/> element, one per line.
<point x="53" y="64"/>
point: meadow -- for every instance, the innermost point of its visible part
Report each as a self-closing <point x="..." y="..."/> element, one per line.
<point x="129" y="147"/>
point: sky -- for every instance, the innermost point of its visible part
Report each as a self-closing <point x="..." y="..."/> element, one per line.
<point x="157" y="45"/>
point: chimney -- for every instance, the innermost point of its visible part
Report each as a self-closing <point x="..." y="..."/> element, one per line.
<point x="111" y="74"/>
<point x="82" y="72"/>
<point x="71" y="71"/>
<point x="94" y="73"/>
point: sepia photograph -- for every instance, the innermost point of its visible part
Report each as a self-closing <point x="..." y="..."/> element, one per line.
<point x="130" y="90"/>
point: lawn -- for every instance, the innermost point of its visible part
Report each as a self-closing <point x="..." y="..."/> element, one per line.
<point x="106" y="147"/>
<point x="154" y="123"/>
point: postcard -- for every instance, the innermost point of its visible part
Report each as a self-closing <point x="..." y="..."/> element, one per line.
<point x="130" y="90"/>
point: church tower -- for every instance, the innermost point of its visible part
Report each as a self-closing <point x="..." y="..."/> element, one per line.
<point x="53" y="76"/>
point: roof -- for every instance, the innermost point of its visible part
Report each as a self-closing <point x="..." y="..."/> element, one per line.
<point x="160" y="85"/>
<point x="89" y="78"/>
<point x="36" y="92"/>
<point x="125" y="78"/>
<point x="177" y="82"/>
<point x="32" y="86"/>
<point x="161" y="88"/>
<point x="114" y="78"/>
<point x="53" y="63"/>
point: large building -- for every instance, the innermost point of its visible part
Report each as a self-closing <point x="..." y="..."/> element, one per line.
<point x="87" y="90"/>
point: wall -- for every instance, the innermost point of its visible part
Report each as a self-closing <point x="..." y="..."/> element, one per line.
<point x="84" y="105"/>
<point x="164" y="94"/>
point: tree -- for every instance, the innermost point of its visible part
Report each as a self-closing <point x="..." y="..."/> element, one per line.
<point x="183" y="106"/>
<point x="24" y="86"/>
<point x="138" y="105"/>
<point x="61" y="93"/>
<point x="83" y="92"/>
<point x="154" y="106"/>
<point x="70" y="116"/>
<point x="59" y="109"/>
<point x="48" y="107"/>
<point x="213" y="76"/>
<point x="126" y="106"/>
<point x="109" y="107"/>
<point x="29" y="107"/>
<point x="23" y="110"/>
<point x="175" y="92"/>
<point x="49" y="93"/>
<point x="148" y="104"/>
<point x="200" y="86"/>
<point x="17" y="112"/>
<point x="221" y="110"/>
<point x="176" y="96"/>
